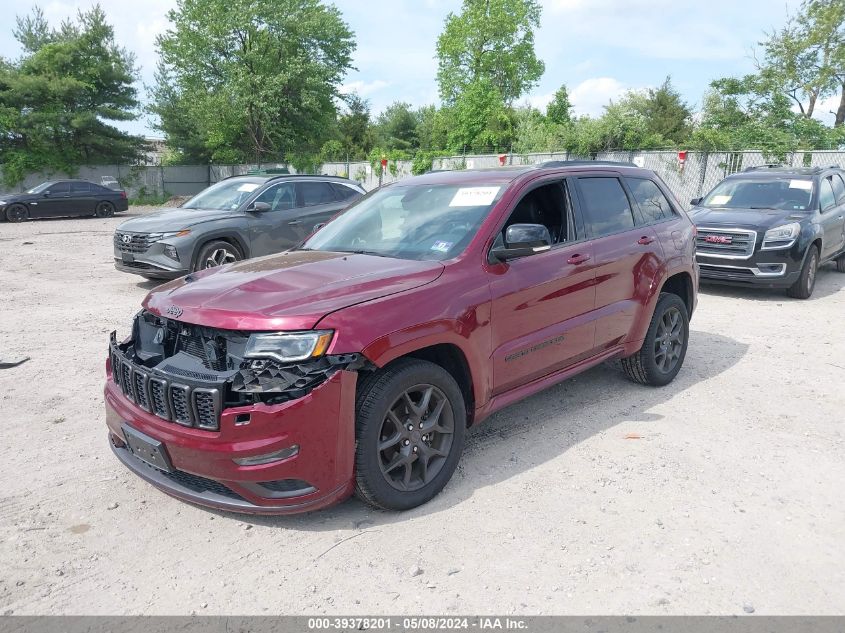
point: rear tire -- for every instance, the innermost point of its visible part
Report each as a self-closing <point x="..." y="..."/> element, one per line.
<point x="104" y="209"/>
<point x="665" y="346"/>
<point x="803" y="288"/>
<point x="840" y="263"/>
<point x="16" y="213"/>
<point x="215" y="254"/>
<point x="410" y="429"/>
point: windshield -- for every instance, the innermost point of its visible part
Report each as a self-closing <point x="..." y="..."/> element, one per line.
<point x="43" y="186"/>
<point x="792" y="194"/>
<point x="226" y="194"/>
<point x="424" y="222"/>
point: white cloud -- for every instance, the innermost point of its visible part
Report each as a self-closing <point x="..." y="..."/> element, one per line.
<point x="363" y="88"/>
<point x="590" y="96"/>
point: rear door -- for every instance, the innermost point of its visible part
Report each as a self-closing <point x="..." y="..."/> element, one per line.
<point x="82" y="198"/>
<point x="275" y="230"/>
<point x="541" y="304"/>
<point x="318" y="203"/>
<point x="626" y="252"/>
<point x="832" y="203"/>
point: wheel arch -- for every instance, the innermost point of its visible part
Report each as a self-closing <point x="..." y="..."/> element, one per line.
<point x="230" y="238"/>
<point x="681" y="284"/>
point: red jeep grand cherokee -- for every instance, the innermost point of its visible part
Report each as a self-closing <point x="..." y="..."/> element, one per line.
<point x="357" y="361"/>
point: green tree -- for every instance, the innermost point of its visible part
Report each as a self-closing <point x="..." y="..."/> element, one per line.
<point x="559" y="109"/>
<point x="251" y="80"/>
<point x="58" y="100"/>
<point x="396" y="127"/>
<point x="355" y="127"/>
<point x="666" y="114"/>
<point x="490" y="41"/>
<point x="482" y="122"/>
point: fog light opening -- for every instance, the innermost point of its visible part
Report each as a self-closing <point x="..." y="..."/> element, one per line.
<point x="275" y="456"/>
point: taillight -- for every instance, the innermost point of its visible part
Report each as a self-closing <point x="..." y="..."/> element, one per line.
<point x="123" y="194"/>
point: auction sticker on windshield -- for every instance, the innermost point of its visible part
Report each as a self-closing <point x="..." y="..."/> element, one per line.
<point x="248" y="186"/>
<point x="474" y="196"/>
<point x="717" y="200"/>
<point x="807" y="185"/>
<point x="441" y="247"/>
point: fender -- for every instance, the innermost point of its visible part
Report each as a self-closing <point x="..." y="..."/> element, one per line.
<point x="224" y="234"/>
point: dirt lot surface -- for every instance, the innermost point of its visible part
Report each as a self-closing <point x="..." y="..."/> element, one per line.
<point x="720" y="493"/>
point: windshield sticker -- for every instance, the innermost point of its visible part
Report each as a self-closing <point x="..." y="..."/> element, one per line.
<point x="717" y="200"/>
<point x="806" y="185"/>
<point x="248" y="186"/>
<point x="474" y="196"/>
<point x="442" y="247"/>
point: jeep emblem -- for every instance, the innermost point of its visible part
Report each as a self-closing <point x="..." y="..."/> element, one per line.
<point x="174" y="311"/>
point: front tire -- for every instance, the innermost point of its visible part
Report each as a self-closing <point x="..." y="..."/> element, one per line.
<point x="803" y="288"/>
<point x="840" y="263"/>
<point x="410" y="430"/>
<point x="217" y="253"/>
<point x="16" y="213"/>
<point x="665" y="346"/>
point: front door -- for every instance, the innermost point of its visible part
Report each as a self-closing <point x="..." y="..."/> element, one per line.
<point x="832" y="215"/>
<point x="541" y="304"/>
<point x="56" y="201"/>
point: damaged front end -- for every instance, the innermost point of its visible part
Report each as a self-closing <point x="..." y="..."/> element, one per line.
<point x="188" y="374"/>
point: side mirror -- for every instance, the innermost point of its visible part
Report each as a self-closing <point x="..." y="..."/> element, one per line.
<point x="318" y="226"/>
<point x="46" y="194"/>
<point x="522" y="240"/>
<point x="695" y="201"/>
<point x="259" y="207"/>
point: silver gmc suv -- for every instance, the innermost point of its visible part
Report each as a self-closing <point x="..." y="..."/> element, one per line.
<point x="234" y="219"/>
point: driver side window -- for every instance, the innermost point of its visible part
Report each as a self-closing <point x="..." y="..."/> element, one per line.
<point x="547" y="205"/>
<point x="279" y="197"/>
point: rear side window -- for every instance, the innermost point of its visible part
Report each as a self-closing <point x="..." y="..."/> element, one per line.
<point x="826" y="197"/>
<point x="606" y="207"/>
<point x="343" y="192"/>
<point x="838" y="188"/>
<point x="314" y="193"/>
<point x="81" y="187"/>
<point x="653" y="205"/>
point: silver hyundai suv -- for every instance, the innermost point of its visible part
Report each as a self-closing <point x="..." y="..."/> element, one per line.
<point x="234" y="219"/>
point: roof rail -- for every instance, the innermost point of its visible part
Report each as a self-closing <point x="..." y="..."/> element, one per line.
<point x="578" y="163"/>
<point x="766" y="166"/>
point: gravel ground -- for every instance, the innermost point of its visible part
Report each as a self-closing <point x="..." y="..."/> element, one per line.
<point x="721" y="493"/>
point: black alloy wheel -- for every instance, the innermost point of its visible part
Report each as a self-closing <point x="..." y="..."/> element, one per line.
<point x="16" y="213"/>
<point x="104" y="209"/>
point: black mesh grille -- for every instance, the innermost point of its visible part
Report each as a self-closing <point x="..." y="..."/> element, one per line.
<point x="206" y="411"/>
<point x="126" y="380"/>
<point x="141" y="391"/>
<point x="159" y="402"/>
<point x="134" y="242"/>
<point x="201" y="484"/>
<point x="285" y="485"/>
<point x="181" y="407"/>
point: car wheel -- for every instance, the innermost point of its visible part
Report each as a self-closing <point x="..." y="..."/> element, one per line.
<point x="840" y="263"/>
<point x="803" y="288"/>
<point x="665" y="347"/>
<point x="216" y="254"/>
<point x="104" y="210"/>
<point x="410" y="429"/>
<point x="16" y="213"/>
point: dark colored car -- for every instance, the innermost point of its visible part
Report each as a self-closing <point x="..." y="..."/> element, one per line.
<point x="357" y="361"/>
<point x="58" y="198"/>
<point x="234" y="219"/>
<point x="772" y="227"/>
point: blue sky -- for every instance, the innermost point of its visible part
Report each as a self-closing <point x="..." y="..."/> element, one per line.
<point x="598" y="48"/>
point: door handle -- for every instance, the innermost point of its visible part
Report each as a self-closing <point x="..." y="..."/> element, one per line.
<point x="578" y="259"/>
<point x="295" y="222"/>
<point x="645" y="240"/>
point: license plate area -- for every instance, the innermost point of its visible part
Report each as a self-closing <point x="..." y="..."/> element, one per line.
<point x="127" y="257"/>
<point x="149" y="450"/>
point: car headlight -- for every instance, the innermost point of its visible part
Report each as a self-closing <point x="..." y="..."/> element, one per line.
<point x="2" y="203"/>
<point x="780" y="234"/>
<point x="289" y="347"/>
<point x="181" y="233"/>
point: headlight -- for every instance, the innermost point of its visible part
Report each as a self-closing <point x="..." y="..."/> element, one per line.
<point x="289" y="347"/>
<point x="781" y="236"/>
<point x="2" y="203"/>
<point x="181" y="233"/>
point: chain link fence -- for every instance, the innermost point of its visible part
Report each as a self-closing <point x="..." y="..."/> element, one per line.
<point x="698" y="174"/>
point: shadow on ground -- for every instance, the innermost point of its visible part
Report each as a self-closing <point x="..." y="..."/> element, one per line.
<point x="533" y="432"/>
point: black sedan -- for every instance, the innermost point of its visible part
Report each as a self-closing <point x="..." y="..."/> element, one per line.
<point x="58" y="198"/>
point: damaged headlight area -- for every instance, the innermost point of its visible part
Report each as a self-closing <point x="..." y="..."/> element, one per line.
<point x="189" y="373"/>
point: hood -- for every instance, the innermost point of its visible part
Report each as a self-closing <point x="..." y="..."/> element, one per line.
<point x="753" y="219"/>
<point x="289" y="291"/>
<point x="20" y="197"/>
<point x="172" y="220"/>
